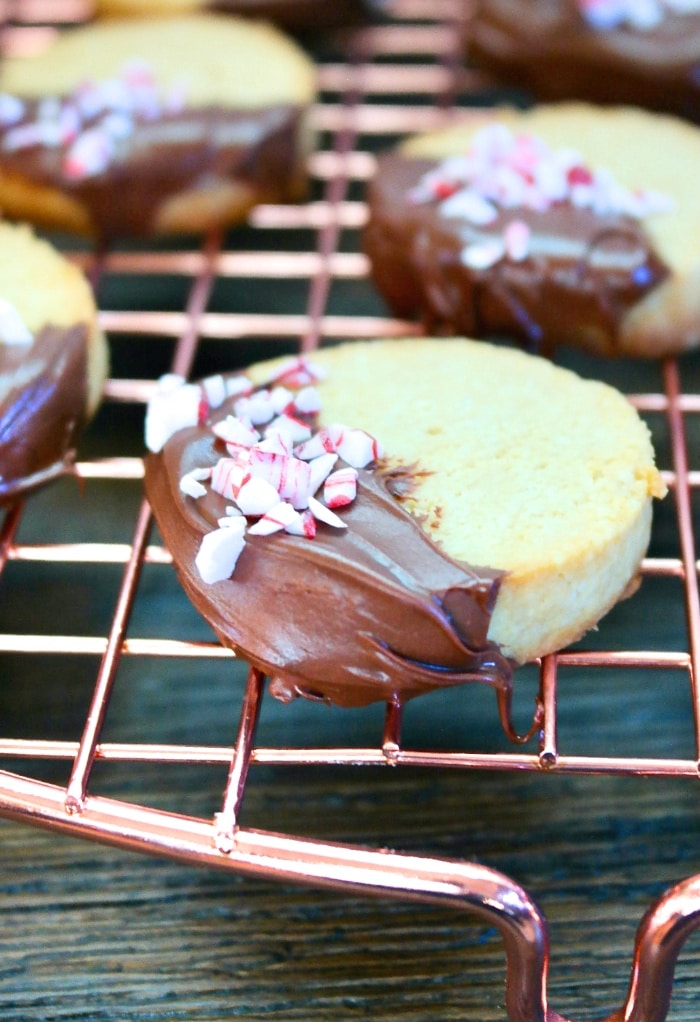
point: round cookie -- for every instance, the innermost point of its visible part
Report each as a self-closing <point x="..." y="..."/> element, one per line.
<point x="503" y="505"/>
<point x="53" y="360"/>
<point x="154" y="126"/>
<point x="606" y="51"/>
<point x="295" y="15"/>
<point x="562" y="224"/>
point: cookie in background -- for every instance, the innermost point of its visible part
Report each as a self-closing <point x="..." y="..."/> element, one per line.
<point x="294" y="15"/>
<point x="642" y="52"/>
<point x="53" y="361"/>
<point x="566" y="224"/>
<point x="154" y="126"/>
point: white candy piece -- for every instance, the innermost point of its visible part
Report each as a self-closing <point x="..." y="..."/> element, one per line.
<point x="321" y="468"/>
<point x="11" y="109"/>
<point x="324" y="514"/>
<point x="297" y="430"/>
<point x="484" y="254"/>
<point x="516" y="238"/>
<point x="236" y="431"/>
<point x="258" y="407"/>
<point x="469" y="205"/>
<point x="215" y="389"/>
<point x="238" y="385"/>
<point x="13" y="329"/>
<point x="256" y="497"/>
<point x="172" y="407"/>
<point x="357" y="447"/>
<point x="191" y="482"/>
<point x="219" y="551"/>
<point x="308" y="401"/>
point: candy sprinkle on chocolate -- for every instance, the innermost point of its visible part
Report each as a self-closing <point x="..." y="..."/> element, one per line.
<point x="271" y="479"/>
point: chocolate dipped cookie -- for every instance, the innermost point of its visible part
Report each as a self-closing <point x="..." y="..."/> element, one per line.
<point x="386" y="518"/>
<point x="640" y="52"/>
<point x="155" y="126"/>
<point x="295" y="15"/>
<point x="53" y="361"/>
<point x="565" y="224"/>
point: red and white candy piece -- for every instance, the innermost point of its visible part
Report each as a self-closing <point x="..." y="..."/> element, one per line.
<point x="340" y="488"/>
<point x="90" y="154"/>
<point x="276" y="519"/>
<point x="228" y="476"/>
<point x="299" y="372"/>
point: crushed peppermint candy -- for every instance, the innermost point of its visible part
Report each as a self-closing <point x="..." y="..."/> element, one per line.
<point x="504" y="171"/>
<point x="90" y="122"/>
<point x="13" y="329"/>
<point x="274" y="477"/>
<point x="643" y="15"/>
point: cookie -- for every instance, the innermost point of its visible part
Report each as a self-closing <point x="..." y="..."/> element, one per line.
<point x="295" y="15"/>
<point x="451" y="508"/>
<point x="155" y="126"/>
<point x="640" y="52"/>
<point x="53" y="361"/>
<point x="564" y="224"/>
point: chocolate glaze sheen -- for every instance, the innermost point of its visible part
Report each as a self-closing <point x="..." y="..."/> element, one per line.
<point x="583" y="272"/>
<point x="374" y="612"/>
<point x="547" y="48"/>
<point x="169" y="154"/>
<point x="42" y="402"/>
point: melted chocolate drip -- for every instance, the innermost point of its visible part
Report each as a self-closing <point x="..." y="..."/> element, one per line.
<point x="582" y="274"/>
<point x="166" y="155"/>
<point x="547" y="48"/>
<point x="374" y="612"/>
<point x="42" y="407"/>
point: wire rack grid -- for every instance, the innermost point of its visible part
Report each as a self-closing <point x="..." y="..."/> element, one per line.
<point x="404" y="73"/>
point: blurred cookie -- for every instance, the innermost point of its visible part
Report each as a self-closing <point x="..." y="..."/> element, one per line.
<point x="295" y="15"/>
<point x="53" y="361"/>
<point x="563" y="224"/>
<point x="386" y="518"/>
<point x="640" y="52"/>
<point x="154" y="126"/>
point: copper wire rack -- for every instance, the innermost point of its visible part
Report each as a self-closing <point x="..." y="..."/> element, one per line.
<point x="401" y="73"/>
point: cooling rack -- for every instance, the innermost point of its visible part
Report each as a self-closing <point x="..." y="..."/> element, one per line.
<point x="292" y="279"/>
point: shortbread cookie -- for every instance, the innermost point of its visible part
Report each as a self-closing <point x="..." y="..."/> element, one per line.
<point x="390" y="517"/>
<point x="640" y="52"/>
<point x="563" y="224"/>
<point x="154" y="126"/>
<point x="53" y="361"/>
<point x="295" y="15"/>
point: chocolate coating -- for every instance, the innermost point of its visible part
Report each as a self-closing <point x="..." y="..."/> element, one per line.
<point x="583" y="272"/>
<point x="167" y="155"/>
<point x="374" y="612"/>
<point x="296" y="15"/>
<point x="42" y="407"/>
<point x="546" y="48"/>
